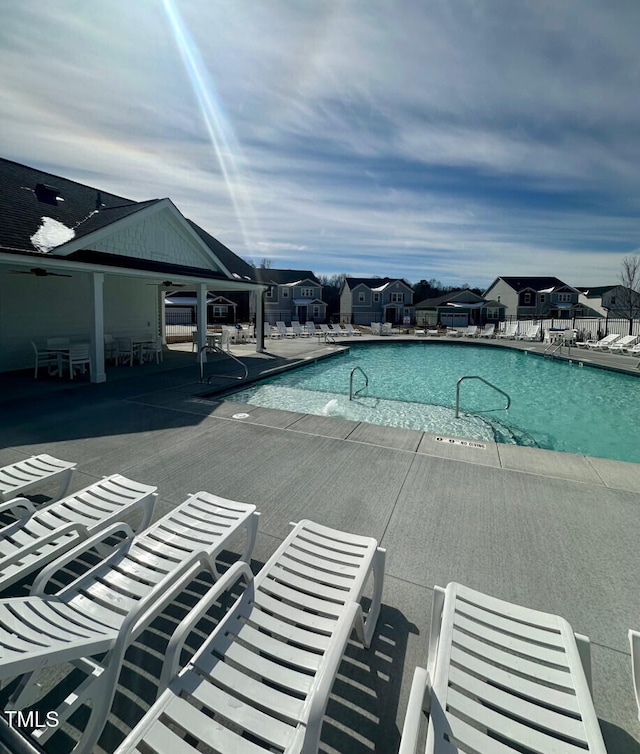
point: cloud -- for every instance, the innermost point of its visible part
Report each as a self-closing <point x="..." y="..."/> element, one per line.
<point x="455" y="139"/>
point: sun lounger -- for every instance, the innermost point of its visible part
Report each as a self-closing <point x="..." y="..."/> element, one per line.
<point x="623" y="345"/>
<point x="376" y="328"/>
<point x="105" y="609"/>
<point x="531" y="333"/>
<point x="501" y="678"/>
<point x="262" y="681"/>
<point x="488" y="332"/>
<point x="351" y="330"/>
<point x="471" y="331"/>
<point x="604" y="343"/>
<point x="509" y="331"/>
<point x="35" y="539"/>
<point x="337" y="330"/>
<point x="386" y="329"/>
<point x="298" y="331"/>
<point x="20" y="477"/>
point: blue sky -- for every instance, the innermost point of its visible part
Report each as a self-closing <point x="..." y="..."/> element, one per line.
<point x="449" y="139"/>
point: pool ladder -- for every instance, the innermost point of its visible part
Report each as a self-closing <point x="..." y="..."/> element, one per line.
<point x="217" y="349"/>
<point x="486" y="382"/>
<point x="353" y="394"/>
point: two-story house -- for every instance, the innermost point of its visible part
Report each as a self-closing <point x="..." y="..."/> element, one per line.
<point x="611" y="300"/>
<point x="366" y="300"/>
<point x="531" y="297"/>
<point x="292" y="295"/>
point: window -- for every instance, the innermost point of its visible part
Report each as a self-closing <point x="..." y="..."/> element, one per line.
<point x="397" y="298"/>
<point x="564" y="297"/>
<point x="219" y="311"/>
<point x="269" y="293"/>
<point x="307" y="293"/>
<point x="316" y="311"/>
<point x="493" y="313"/>
<point x="285" y="293"/>
<point x="361" y="297"/>
<point x="542" y="298"/>
<point x="376" y="298"/>
<point x="526" y="298"/>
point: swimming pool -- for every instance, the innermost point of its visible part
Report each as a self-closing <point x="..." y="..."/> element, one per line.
<point x="554" y="405"/>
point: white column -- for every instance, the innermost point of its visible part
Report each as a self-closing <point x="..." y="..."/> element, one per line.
<point x="98" y="373"/>
<point x="259" y="320"/>
<point x="201" y="309"/>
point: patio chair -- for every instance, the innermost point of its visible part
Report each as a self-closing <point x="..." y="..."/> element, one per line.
<point x="337" y="330"/>
<point x="18" y="478"/>
<point x="153" y="349"/>
<point x="107" y="607"/>
<point x="501" y="677"/>
<point x="471" y="331"/>
<point x="298" y="331"/>
<point x="125" y="351"/>
<point x="310" y="327"/>
<point x="283" y="330"/>
<point x="77" y="357"/>
<point x="488" y="332"/>
<point x="604" y="343"/>
<point x="109" y="348"/>
<point x="376" y="328"/>
<point x="351" y="330"/>
<point x="44" y="359"/>
<point x="634" y="641"/>
<point x="386" y="329"/>
<point x="633" y="351"/>
<point x="325" y="331"/>
<point x="261" y="682"/>
<point x="624" y="344"/>
<point x="35" y="539"/>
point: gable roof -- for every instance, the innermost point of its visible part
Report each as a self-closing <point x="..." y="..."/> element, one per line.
<point x="373" y="283"/>
<point x="463" y="296"/>
<point x="284" y="277"/>
<point x="535" y="283"/>
<point x="596" y="291"/>
<point x="44" y="215"/>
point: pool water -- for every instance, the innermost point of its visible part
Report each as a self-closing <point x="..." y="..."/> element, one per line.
<point x="554" y="405"/>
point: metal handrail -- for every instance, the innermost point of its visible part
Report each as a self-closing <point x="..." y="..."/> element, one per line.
<point x="216" y="349"/>
<point x="366" y="382"/>
<point x="486" y="382"/>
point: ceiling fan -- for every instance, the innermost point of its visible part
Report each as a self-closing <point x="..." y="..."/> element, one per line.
<point x="39" y="272"/>
<point x="168" y="284"/>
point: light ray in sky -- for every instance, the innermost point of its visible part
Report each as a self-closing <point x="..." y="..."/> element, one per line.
<point x="219" y="127"/>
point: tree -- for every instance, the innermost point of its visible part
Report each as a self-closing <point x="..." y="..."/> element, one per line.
<point x="628" y="298"/>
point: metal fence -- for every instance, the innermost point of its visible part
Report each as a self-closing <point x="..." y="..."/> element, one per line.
<point x="588" y="328"/>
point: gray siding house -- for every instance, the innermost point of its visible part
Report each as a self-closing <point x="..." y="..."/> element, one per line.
<point x="367" y="300"/>
<point x="459" y="309"/>
<point x="292" y="295"/>
<point x="531" y="297"/>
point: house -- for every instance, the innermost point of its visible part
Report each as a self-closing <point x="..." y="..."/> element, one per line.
<point x="530" y="297"/>
<point x="181" y="308"/>
<point x="78" y="262"/>
<point x="459" y="309"/>
<point x="367" y="300"/>
<point x="610" y="300"/>
<point x="291" y="295"/>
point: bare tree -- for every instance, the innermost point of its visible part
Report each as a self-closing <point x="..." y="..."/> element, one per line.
<point x="628" y="297"/>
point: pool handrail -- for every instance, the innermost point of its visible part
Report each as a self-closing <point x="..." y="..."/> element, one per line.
<point x="366" y="383"/>
<point x="486" y="382"/>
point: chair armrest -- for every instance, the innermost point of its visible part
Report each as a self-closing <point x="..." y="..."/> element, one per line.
<point x="43" y="578"/>
<point x="420" y="688"/>
<point x="37" y="544"/>
<point x="188" y="623"/>
<point x="634" y="641"/>
<point x="17" y="502"/>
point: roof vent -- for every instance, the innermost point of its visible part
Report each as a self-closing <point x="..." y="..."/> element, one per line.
<point x="99" y="203"/>
<point x="48" y="194"/>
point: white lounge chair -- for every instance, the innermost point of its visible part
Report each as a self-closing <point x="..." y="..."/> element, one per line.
<point x="501" y="678"/>
<point x="510" y="331"/>
<point x="453" y="332"/>
<point x="106" y="608"/>
<point x="633" y="351"/>
<point x="531" y="333"/>
<point x="35" y="539"/>
<point x="310" y="327"/>
<point x="351" y="330"/>
<point x="298" y="331"/>
<point x="20" y="477"/>
<point x="488" y="332"/>
<point x="386" y="329"/>
<point x="604" y="343"/>
<point x="376" y="328"/>
<point x="326" y="332"/>
<point x="624" y="344"/>
<point x="337" y="330"/>
<point x="262" y="680"/>
<point x="471" y="331"/>
<point x="634" y="641"/>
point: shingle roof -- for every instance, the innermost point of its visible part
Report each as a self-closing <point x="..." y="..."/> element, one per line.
<point x="283" y="277"/>
<point x="536" y="283"/>
<point x="372" y="282"/>
<point x="27" y="195"/>
<point x="595" y="292"/>
<point x="23" y="205"/>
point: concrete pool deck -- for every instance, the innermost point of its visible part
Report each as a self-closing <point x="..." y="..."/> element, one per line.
<point x="552" y="531"/>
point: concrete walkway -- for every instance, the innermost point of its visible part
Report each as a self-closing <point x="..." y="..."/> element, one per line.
<point x="548" y="530"/>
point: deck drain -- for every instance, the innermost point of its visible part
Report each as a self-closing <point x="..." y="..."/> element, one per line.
<point x="465" y="443"/>
<point x="240" y="416"/>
